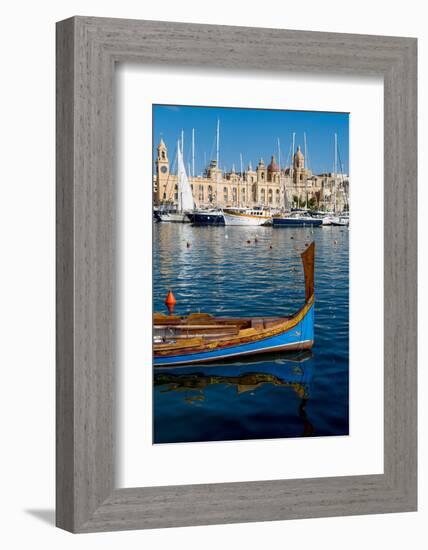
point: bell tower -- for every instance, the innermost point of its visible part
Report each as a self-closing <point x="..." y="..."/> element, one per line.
<point x="162" y="162"/>
<point x="299" y="171"/>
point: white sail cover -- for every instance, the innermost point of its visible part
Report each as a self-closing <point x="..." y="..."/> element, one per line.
<point x="185" y="195"/>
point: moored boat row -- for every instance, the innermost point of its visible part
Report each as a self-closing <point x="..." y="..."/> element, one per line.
<point x="251" y="217"/>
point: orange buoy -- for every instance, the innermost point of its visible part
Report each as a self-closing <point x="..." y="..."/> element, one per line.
<point x="170" y="302"/>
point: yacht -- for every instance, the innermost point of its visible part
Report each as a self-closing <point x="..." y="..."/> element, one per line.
<point x="296" y="219"/>
<point x="246" y="216"/>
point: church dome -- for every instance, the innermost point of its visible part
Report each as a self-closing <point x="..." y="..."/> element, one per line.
<point x="273" y="167"/>
<point x="299" y="154"/>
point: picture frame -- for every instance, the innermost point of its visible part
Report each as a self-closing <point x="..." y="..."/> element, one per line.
<point x="87" y="51"/>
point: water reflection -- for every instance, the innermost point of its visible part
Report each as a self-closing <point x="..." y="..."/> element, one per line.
<point x="192" y="385"/>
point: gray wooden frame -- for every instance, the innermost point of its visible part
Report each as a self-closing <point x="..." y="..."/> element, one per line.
<point x="87" y="50"/>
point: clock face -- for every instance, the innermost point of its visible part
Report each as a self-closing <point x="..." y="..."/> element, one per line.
<point x="164" y="169"/>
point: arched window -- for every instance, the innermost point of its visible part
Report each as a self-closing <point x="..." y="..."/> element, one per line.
<point x="243" y="195"/>
<point x="201" y="192"/>
<point x="270" y="196"/>
<point x="225" y="194"/>
<point x="210" y="193"/>
<point x="163" y="155"/>
<point x="234" y="194"/>
<point x="263" y="196"/>
<point x="277" y="196"/>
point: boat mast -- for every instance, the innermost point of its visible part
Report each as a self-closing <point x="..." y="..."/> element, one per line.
<point x="342" y="179"/>
<point x="306" y="160"/>
<point x="335" y="170"/>
<point x="241" y="179"/>
<point x="193" y="152"/>
<point x="218" y="143"/>
<point x="218" y="158"/>
<point x="281" y="181"/>
<point x="292" y="160"/>
<point x="180" y="186"/>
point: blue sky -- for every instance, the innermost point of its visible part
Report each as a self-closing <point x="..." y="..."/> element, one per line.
<point x="252" y="132"/>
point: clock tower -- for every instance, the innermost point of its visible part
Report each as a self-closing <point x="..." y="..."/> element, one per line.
<point x="162" y="162"/>
<point x="162" y="172"/>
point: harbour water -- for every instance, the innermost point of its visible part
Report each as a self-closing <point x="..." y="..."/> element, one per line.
<point x="215" y="270"/>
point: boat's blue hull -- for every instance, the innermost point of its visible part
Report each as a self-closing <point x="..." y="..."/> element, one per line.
<point x="207" y="219"/>
<point x="301" y="336"/>
<point x="293" y="222"/>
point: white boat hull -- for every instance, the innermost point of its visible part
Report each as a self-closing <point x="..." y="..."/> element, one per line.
<point x="244" y="219"/>
<point x="174" y="217"/>
<point x="340" y="221"/>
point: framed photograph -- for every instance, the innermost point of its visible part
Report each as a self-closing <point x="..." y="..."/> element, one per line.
<point x="236" y="274"/>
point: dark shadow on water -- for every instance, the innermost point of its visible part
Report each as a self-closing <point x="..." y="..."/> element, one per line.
<point x="43" y="514"/>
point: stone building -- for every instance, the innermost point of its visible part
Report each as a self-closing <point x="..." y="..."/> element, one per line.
<point x="268" y="186"/>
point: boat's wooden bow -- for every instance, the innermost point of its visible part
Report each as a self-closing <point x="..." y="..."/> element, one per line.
<point x="308" y="260"/>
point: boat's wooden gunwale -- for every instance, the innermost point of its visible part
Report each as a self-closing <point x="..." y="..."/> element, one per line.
<point x="251" y="335"/>
<point x="196" y="327"/>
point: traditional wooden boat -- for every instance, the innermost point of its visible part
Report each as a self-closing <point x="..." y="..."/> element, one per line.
<point x="202" y="338"/>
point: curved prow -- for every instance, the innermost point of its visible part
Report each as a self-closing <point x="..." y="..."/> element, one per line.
<point x="308" y="260"/>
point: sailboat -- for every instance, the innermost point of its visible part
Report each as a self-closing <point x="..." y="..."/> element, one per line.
<point x="338" y="219"/>
<point x="185" y="205"/>
<point x="201" y="337"/>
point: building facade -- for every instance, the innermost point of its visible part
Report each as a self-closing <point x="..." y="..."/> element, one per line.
<point x="266" y="186"/>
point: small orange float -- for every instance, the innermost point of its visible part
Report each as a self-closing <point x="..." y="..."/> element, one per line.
<point x="170" y="302"/>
